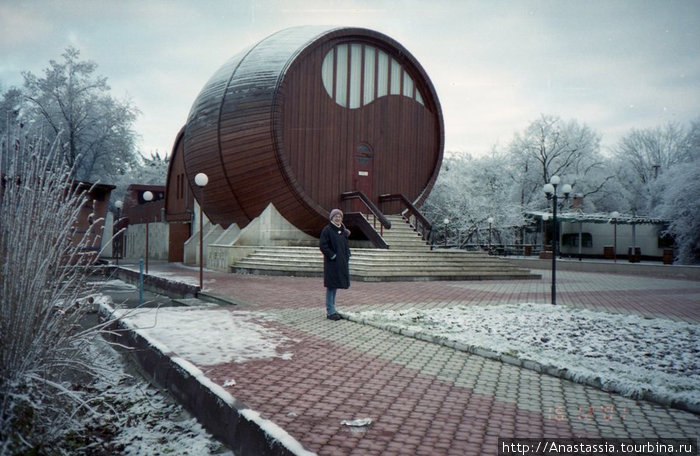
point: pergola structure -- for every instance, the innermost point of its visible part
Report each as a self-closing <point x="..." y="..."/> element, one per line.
<point x="614" y="219"/>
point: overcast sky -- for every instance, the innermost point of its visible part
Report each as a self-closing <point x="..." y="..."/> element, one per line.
<point x="496" y="65"/>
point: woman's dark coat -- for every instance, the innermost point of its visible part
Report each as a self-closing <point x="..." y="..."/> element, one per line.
<point x="336" y="256"/>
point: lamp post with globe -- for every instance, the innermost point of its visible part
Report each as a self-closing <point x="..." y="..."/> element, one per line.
<point x="119" y="242"/>
<point x="614" y="216"/>
<point x="550" y="191"/>
<point x="147" y="197"/>
<point x="446" y="221"/>
<point x="201" y="180"/>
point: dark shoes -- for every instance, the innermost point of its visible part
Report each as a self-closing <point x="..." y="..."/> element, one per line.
<point x="334" y="317"/>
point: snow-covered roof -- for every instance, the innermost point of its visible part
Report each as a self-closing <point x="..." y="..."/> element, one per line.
<point x="598" y="217"/>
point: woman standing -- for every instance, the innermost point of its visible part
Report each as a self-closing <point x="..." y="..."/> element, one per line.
<point x="336" y="260"/>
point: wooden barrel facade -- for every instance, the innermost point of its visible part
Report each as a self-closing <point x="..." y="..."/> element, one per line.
<point x="307" y="114"/>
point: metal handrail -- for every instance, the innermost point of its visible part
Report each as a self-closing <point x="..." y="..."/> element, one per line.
<point x="422" y="225"/>
<point x="369" y="204"/>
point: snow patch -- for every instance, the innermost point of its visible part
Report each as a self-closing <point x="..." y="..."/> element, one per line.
<point x="213" y="336"/>
<point x="141" y="418"/>
<point x="633" y="355"/>
<point x="170" y="276"/>
<point x="207" y="336"/>
<point x="114" y="283"/>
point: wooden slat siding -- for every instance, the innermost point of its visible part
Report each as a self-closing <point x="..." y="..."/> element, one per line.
<point x="392" y="150"/>
<point x="247" y="138"/>
<point x="278" y="137"/>
<point x="177" y="200"/>
<point x="271" y="185"/>
<point x="301" y="101"/>
<point x="353" y="129"/>
<point x="202" y="147"/>
<point x="242" y="120"/>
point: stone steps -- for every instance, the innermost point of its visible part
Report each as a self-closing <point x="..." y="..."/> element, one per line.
<point x="402" y="236"/>
<point x="408" y="258"/>
<point x="383" y="265"/>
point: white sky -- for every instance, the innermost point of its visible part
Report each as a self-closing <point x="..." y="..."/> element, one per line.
<point x="496" y="65"/>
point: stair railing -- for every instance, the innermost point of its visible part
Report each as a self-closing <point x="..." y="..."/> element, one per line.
<point x="371" y="207"/>
<point x="419" y="222"/>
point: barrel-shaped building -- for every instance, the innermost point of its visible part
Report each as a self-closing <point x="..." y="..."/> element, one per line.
<point x="308" y="114"/>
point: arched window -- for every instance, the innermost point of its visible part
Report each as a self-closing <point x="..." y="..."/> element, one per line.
<point x="364" y="148"/>
<point x="356" y="74"/>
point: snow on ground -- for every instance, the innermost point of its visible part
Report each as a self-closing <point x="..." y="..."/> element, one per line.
<point x="115" y="283"/>
<point x="632" y="355"/>
<point x="172" y="276"/>
<point x="131" y="417"/>
<point x="208" y="336"/>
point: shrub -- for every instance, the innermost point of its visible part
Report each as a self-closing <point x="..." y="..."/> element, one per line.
<point x="43" y="296"/>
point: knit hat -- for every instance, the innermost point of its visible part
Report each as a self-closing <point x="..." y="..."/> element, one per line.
<point x="335" y="212"/>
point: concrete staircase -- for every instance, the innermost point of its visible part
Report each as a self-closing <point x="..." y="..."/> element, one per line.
<point x="408" y="258"/>
<point x="402" y="236"/>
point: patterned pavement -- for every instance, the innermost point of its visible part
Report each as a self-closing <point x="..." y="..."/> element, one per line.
<point x="423" y="398"/>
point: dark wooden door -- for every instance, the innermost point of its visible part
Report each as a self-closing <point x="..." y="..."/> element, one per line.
<point x="363" y="173"/>
<point x="179" y="234"/>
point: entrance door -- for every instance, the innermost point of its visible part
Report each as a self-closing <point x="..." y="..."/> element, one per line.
<point x="179" y="234"/>
<point x="363" y="174"/>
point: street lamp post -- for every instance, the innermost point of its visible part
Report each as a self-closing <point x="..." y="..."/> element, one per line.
<point x="201" y="180"/>
<point x="490" y="220"/>
<point x="119" y="205"/>
<point x="545" y="218"/>
<point x="550" y="191"/>
<point x="147" y="197"/>
<point x="446" y="221"/>
<point x="614" y="215"/>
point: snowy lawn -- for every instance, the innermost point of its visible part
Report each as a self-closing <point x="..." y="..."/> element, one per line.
<point x="207" y="336"/>
<point x="639" y="357"/>
<point x="131" y="417"/>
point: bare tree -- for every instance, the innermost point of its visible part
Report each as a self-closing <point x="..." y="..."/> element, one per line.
<point x="550" y="146"/>
<point x="98" y="140"/>
<point x="644" y="155"/>
<point x="652" y="151"/>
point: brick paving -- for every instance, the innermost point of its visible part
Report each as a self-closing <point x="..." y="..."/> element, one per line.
<point x="423" y="398"/>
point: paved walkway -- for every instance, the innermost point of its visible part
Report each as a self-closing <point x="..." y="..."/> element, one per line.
<point x="426" y="399"/>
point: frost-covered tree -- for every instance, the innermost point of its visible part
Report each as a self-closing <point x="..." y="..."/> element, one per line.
<point x="43" y="296"/>
<point x="551" y="146"/>
<point x="10" y="109"/>
<point x="468" y="192"/>
<point x="677" y="192"/>
<point x="151" y="170"/>
<point x="98" y="140"/>
<point x="641" y="158"/>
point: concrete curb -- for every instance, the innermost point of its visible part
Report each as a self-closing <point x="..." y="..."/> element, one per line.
<point x="172" y="288"/>
<point x="155" y="284"/>
<point x="667" y="271"/>
<point x="229" y="420"/>
<point x="554" y="371"/>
